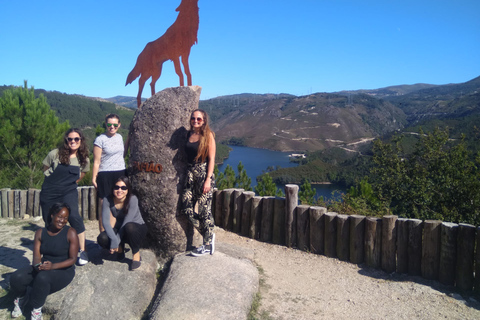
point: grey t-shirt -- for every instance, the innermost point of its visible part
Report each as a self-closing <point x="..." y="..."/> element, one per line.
<point x="112" y="152"/>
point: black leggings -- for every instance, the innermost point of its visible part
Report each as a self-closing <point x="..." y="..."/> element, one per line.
<point x="43" y="283"/>
<point x="133" y="234"/>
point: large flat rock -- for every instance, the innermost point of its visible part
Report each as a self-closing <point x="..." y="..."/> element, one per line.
<point x="216" y="286"/>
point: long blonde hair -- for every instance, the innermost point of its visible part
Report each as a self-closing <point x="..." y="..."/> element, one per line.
<point x="205" y="132"/>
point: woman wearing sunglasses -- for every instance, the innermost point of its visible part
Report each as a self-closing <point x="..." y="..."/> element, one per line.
<point x="108" y="159"/>
<point x="63" y="168"/>
<point x="123" y="223"/>
<point x="200" y="181"/>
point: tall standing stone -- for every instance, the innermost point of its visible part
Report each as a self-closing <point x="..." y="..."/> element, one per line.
<point x="158" y="134"/>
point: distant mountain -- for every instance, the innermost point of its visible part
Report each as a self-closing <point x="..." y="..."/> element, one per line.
<point x="391" y="91"/>
<point x="289" y="123"/>
<point x="439" y="101"/>
<point x="129" y="102"/>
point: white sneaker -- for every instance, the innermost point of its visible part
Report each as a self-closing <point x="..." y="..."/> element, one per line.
<point x="37" y="314"/>
<point x="17" y="307"/>
<point x="83" y="259"/>
<point x="212" y="244"/>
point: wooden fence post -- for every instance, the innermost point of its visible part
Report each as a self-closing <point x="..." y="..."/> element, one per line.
<point x="218" y="195"/>
<point x="92" y="208"/>
<point x="476" y="285"/>
<point x="330" y="234"/>
<point x="23" y="203"/>
<point x="279" y="221"/>
<point x="266" y="233"/>
<point x="30" y="201"/>
<point x="227" y="215"/>
<point x="4" y="203"/>
<point x="246" y="212"/>
<point x="357" y="239"/>
<point x="291" y="202"/>
<point x="10" y="202"/>
<point x="317" y="229"/>
<point x="448" y="253"/>
<point x="431" y="249"/>
<point x="415" y="235"/>
<point x="16" y="204"/>
<point x="237" y="210"/>
<point x="402" y="245"/>
<point x="255" y="218"/>
<point x="343" y="237"/>
<point x="389" y="239"/>
<point x="85" y="206"/>
<point x="373" y="242"/>
<point x="37" y="209"/>
<point x="303" y="227"/>
<point x="465" y="252"/>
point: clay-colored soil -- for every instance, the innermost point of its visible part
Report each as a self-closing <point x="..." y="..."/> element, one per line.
<point x="294" y="284"/>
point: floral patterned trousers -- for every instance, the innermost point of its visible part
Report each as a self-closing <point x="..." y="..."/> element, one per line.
<point x="193" y="195"/>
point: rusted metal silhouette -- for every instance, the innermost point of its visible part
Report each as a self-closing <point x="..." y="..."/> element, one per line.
<point x="175" y="43"/>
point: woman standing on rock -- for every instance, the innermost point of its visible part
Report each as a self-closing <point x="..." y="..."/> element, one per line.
<point x="63" y="169"/>
<point x="200" y="181"/>
<point x="53" y="268"/>
<point x="123" y="223"/>
<point x="108" y="159"/>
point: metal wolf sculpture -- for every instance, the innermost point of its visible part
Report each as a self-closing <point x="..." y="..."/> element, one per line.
<point x="175" y="43"/>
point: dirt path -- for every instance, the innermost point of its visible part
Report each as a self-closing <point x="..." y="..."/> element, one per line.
<point x="295" y="284"/>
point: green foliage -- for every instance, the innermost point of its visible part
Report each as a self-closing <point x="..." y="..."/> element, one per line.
<point x="266" y="187"/>
<point x="306" y="193"/>
<point x="439" y="180"/>
<point x="29" y="129"/>
<point x="242" y="180"/>
<point x="227" y="179"/>
<point x="222" y="152"/>
<point x="233" y="141"/>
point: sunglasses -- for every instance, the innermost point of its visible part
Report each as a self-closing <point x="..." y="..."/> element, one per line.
<point x="120" y="187"/>
<point x="76" y="139"/>
<point x="112" y="124"/>
<point x="198" y="119"/>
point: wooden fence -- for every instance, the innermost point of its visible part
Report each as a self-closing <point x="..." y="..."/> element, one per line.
<point x="18" y="203"/>
<point x="432" y="249"/>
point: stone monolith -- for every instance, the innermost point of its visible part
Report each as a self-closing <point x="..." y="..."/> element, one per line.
<point x="157" y="164"/>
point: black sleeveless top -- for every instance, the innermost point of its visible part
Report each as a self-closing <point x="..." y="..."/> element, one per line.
<point x="55" y="248"/>
<point x="191" y="149"/>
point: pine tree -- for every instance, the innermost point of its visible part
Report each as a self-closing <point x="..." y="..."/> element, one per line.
<point x="306" y="193"/>
<point x="266" y="187"/>
<point x="242" y="180"/>
<point x="29" y="129"/>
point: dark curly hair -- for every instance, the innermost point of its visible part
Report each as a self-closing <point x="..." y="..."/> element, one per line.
<point x="64" y="149"/>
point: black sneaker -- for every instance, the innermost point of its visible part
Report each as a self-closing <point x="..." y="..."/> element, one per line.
<point x="200" y="251"/>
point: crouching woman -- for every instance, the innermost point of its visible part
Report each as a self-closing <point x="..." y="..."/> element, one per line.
<point x="123" y="223"/>
<point x="55" y="251"/>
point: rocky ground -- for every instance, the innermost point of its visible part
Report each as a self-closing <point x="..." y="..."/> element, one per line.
<point x="294" y="284"/>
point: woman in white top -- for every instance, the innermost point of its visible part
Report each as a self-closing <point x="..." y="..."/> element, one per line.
<point x="108" y="160"/>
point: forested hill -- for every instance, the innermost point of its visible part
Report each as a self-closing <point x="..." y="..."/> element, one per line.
<point x="81" y="111"/>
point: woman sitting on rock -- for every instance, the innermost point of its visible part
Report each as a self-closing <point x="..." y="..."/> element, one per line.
<point x="123" y="223"/>
<point x="55" y="251"/>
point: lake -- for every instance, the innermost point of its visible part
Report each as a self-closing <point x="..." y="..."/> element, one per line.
<point x="256" y="161"/>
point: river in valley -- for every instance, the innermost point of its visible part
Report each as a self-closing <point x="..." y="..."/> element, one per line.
<point x="256" y="161"/>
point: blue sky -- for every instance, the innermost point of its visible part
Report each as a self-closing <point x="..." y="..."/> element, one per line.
<point x="262" y="46"/>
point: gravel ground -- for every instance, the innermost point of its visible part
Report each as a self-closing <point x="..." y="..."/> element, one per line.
<point x="294" y="284"/>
